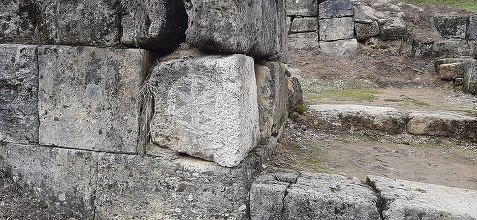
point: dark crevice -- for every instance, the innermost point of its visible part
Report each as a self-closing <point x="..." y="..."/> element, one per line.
<point x="381" y="203"/>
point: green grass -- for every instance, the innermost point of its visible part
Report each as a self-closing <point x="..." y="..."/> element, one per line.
<point x="469" y="5"/>
<point x="361" y="95"/>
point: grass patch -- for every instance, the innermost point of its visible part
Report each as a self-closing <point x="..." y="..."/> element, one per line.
<point x="361" y="95"/>
<point x="308" y="157"/>
<point x="416" y="102"/>
<point x="469" y="5"/>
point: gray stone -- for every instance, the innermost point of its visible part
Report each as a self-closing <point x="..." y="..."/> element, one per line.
<point x="451" y="71"/>
<point x="365" y="14"/>
<point x="303" y="41"/>
<point x="18" y="94"/>
<point x="447" y="124"/>
<point x="335" y="9"/>
<point x="266" y="197"/>
<point x="89" y="97"/>
<point x="454" y="47"/>
<point x="411" y="200"/>
<point x="348" y="116"/>
<point x="272" y="97"/>
<point x="365" y="31"/>
<point x="80" y="22"/>
<point x="439" y="62"/>
<point x="153" y="24"/>
<point x="470" y="77"/>
<point x="206" y="107"/>
<point x="307" y="24"/>
<point x="394" y="28"/>
<point x="339" y="48"/>
<point x="174" y="187"/>
<point x="252" y="27"/>
<point x="295" y="94"/>
<point x="64" y="179"/>
<point x="302" y="7"/>
<point x="472" y="28"/>
<point x="336" y="29"/>
<point x="328" y="196"/>
<point x="451" y="26"/>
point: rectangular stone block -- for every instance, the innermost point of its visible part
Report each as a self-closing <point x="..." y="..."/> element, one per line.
<point x="80" y="22"/>
<point x="272" y="97"/>
<point x="153" y="24"/>
<point x="366" y="30"/>
<point x="472" y="28"/>
<point x="451" y="26"/>
<point x="394" y="28"/>
<point x="302" y="7"/>
<point x="453" y="47"/>
<point x="335" y="9"/>
<point x="18" y="94"/>
<point x="89" y="97"/>
<point x="451" y="71"/>
<point x="206" y="107"/>
<point x="339" y="47"/>
<point x="470" y="77"/>
<point x="64" y="179"/>
<point x="253" y="27"/>
<point x="169" y="186"/>
<point x="305" y="24"/>
<point x="336" y="29"/>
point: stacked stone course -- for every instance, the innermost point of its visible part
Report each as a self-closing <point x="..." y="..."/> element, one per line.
<point x="100" y="124"/>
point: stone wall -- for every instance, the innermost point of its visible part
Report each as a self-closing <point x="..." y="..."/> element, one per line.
<point x="146" y="109"/>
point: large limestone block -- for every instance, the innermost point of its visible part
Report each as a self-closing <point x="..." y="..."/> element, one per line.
<point x="153" y="24"/>
<point x="303" y="41"/>
<point x="302" y="7"/>
<point x="80" y="22"/>
<point x="451" y="26"/>
<point x="304" y="24"/>
<point x="206" y="107"/>
<point x="472" y="28"/>
<point x="454" y="47"/>
<point x="394" y="28"/>
<point x="412" y="200"/>
<point x="451" y="71"/>
<point x="339" y="47"/>
<point x="170" y="186"/>
<point x="470" y="77"/>
<point x="448" y="124"/>
<point x="335" y="9"/>
<point x="366" y="30"/>
<point x="89" y="97"/>
<point x="18" y="94"/>
<point x="328" y="196"/>
<point x="347" y="116"/>
<point x="253" y="27"/>
<point x="336" y="29"/>
<point x="64" y="179"/>
<point x="272" y="97"/>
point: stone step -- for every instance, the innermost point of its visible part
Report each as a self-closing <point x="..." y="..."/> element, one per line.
<point x="390" y="120"/>
<point x="360" y="117"/>
<point x="403" y="199"/>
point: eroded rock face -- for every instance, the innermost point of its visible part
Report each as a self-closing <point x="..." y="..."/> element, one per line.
<point x="451" y="26"/>
<point x="253" y="27"/>
<point x="89" y="97"/>
<point x="472" y="28"/>
<point x="206" y="107"/>
<point x="18" y="94"/>
<point x="302" y="7"/>
<point x="335" y="9"/>
<point x="336" y="29"/>
<point x="153" y="24"/>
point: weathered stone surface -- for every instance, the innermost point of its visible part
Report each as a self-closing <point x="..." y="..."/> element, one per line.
<point x="336" y="29"/>
<point x="411" y="200"/>
<point x="451" y="71"/>
<point x="365" y="14"/>
<point x="335" y="9"/>
<point x="173" y="187"/>
<point x="328" y="196"/>
<point x="367" y="30"/>
<point x="470" y="77"/>
<point x="253" y="27"/>
<point x="340" y="47"/>
<point x="451" y="26"/>
<point x="447" y="124"/>
<point x="295" y="94"/>
<point x="472" y="28"/>
<point x="306" y="24"/>
<point x="63" y="179"/>
<point x="272" y="97"/>
<point x="81" y="22"/>
<point x="89" y="97"/>
<point x="302" y="7"/>
<point x="206" y="107"/>
<point x="439" y="62"/>
<point x="266" y="197"/>
<point x="153" y="24"/>
<point x="454" y="47"/>
<point x="394" y="28"/>
<point x="303" y="41"/>
<point x="347" y="116"/>
<point x="18" y="94"/>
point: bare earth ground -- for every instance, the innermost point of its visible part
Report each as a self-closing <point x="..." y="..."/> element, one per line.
<point x="380" y="75"/>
